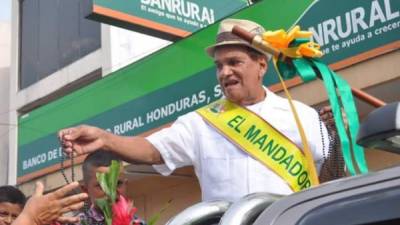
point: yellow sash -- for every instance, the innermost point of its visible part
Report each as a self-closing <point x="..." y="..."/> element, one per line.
<point x="262" y="141"/>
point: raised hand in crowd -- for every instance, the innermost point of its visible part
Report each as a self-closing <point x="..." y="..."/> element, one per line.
<point x="46" y="209"/>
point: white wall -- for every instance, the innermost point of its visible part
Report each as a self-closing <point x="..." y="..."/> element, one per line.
<point x="5" y="51"/>
<point x="129" y="46"/>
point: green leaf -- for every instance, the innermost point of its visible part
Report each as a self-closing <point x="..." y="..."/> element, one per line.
<point x="109" y="181"/>
<point x="105" y="206"/>
<point x="102" y="179"/>
<point x="113" y="174"/>
<point x="154" y="218"/>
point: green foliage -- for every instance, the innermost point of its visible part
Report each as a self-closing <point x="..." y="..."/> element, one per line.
<point x="105" y="206"/>
<point x="109" y="181"/>
<point x="154" y="218"/>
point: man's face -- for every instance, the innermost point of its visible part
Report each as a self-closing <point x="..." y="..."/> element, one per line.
<point x="239" y="75"/>
<point x="8" y="212"/>
<point x="93" y="188"/>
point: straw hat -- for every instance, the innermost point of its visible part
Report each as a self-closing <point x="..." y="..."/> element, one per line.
<point x="226" y="37"/>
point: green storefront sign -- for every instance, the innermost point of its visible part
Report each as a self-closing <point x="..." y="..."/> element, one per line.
<point x="169" y="19"/>
<point x="348" y="28"/>
<point x="180" y="78"/>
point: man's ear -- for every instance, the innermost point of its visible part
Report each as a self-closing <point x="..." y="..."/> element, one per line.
<point x="263" y="66"/>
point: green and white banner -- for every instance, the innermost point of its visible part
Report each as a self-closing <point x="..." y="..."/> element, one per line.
<point x="169" y="19"/>
<point x="345" y="29"/>
<point x="181" y="77"/>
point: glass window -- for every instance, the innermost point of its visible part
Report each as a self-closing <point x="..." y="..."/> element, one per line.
<point x="54" y="34"/>
<point x="378" y="207"/>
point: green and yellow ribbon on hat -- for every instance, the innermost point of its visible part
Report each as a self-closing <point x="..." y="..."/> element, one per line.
<point x="299" y="55"/>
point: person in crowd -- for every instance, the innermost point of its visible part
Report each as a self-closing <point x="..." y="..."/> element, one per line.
<point x="44" y="209"/>
<point x="12" y="201"/>
<point x="225" y="169"/>
<point x="99" y="162"/>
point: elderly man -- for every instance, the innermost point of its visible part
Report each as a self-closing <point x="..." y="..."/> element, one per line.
<point x="226" y="169"/>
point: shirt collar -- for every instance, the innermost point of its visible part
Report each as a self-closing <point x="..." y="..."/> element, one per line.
<point x="273" y="100"/>
<point x="95" y="214"/>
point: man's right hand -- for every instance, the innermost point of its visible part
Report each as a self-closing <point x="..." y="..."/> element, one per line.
<point x="85" y="139"/>
<point x="82" y="139"/>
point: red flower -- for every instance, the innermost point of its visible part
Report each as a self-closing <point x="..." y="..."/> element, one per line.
<point x="123" y="212"/>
